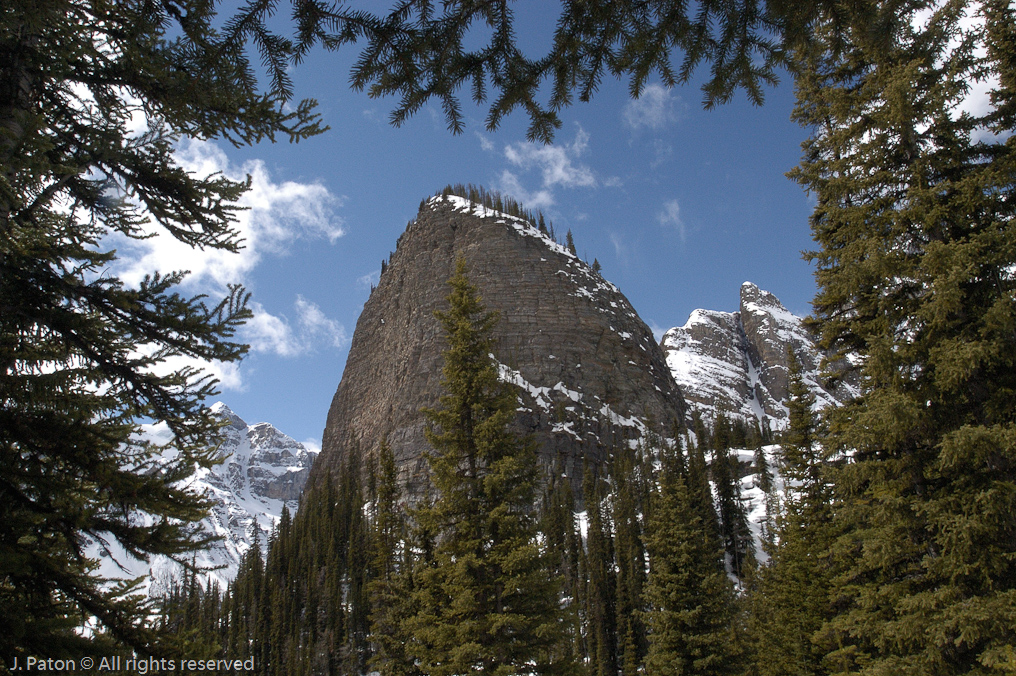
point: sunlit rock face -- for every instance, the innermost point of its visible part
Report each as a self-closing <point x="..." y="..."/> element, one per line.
<point x="262" y="471"/>
<point x="737" y="362"/>
<point x="589" y="371"/>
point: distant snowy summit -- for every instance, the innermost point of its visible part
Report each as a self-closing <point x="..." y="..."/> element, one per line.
<point x="262" y="470"/>
<point x="736" y="362"/>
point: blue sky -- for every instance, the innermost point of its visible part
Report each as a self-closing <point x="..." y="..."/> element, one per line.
<point x="679" y="205"/>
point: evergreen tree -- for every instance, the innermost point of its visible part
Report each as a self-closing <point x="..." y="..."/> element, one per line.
<point x="734" y="531"/>
<point x="790" y="600"/>
<point x="601" y="583"/>
<point x="914" y="218"/>
<point x="564" y="547"/>
<point x="570" y="242"/>
<point x="770" y="498"/>
<point x="484" y="603"/>
<point x="629" y="499"/>
<point x="391" y="582"/>
<point x="420" y="52"/>
<point x="690" y="597"/>
<point x="84" y="356"/>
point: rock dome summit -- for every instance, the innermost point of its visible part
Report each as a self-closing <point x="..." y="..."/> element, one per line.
<point x="590" y="373"/>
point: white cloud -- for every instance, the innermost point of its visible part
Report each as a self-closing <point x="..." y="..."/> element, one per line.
<point x="657" y="330"/>
<point x="510" y="185"/>
<point x="276" y="215"/>
<point x="273" y="334"/>
<point x="620" y="247"/>
<point x="485" y="143"/>
<point x="653" y="110"/>
<point x="368" y="280"/>
<point x="316" y="327"/>
<point x="671" y="216"/>
<point x="557" y="165"/>
<point x="267" y="333"/>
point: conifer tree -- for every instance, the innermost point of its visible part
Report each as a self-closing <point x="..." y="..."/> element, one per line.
<point x="734" y="529"/>
<point x="570" y="242"/>
<point x="770" y="498"/>
<point x="628" y="502"/>
<point x="915" y="218"/>
<point x="84" y="357"/>
<point x="690" y="597"/>
<point x="790" y="600"/>
<point x="564" y="546"/>
<point x="391" y="582"/>
<point x="485" y="602"/>
<point x="601" y="582"/>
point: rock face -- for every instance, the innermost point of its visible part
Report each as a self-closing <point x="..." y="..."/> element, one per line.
<point x="263" y="470"/>
<point x="590" y="373"/>
<point x="736" y="362"/>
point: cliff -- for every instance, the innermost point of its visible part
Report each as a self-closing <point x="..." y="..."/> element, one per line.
<point x="590" y="373"/>
<point x="736" y="362"/>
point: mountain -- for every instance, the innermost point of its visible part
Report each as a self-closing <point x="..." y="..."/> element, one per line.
<point x="736" y="362"/>
<point x="591" y="374"/>
<point x="262" y="470"/>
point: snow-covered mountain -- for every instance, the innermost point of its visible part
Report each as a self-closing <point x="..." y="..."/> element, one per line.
<point x="736" y="362"/>
<point x="262" y="470"/>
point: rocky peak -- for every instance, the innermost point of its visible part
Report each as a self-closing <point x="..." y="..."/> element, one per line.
<point x="589" y="371"/>
<point x="224" y="412"/>
<point x="737" y="362"/>
<point x="261" y="471"/>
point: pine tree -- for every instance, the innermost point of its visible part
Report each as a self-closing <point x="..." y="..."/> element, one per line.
<point x="790" y="600"/>
<point x="570" y="242"/>
<point x="734" y="529"/>
<point x="484" y="601"/>
<point x="690" y="597"/>
<point x="914" y="220"/>
<point x="83" y="355"/>
<point x="564" y="546"/>
<point x="601" y="582"/>
<point x="391" y="582"/>
<point x="629" y="499"/>
<point x="766" y="484"/>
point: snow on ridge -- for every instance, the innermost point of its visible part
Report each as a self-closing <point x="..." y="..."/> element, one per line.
<point x="588" y="288"/>
<point x="261" y="471"/>
<point x="541" y="395"/>
<point x="711" y="358"/>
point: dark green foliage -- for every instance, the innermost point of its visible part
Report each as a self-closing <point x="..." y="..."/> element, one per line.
<point x="419" y="51"/>
<point x="482" y="601"/>
<point x="596" y="265"/>
<point x="570" y="242"/>
<point x="631" y="480"/>
<point x="764" y="478"/>
<point x="601" y="584"/>
<point x="790" y="600"/>
<point x="734" y="532"/>
<point x="564" y="552"/>
<point x="390" y="564"/>
<point x="690" y="598"/>
<point x="82" y="355"/>
<point x="914" y="220"/>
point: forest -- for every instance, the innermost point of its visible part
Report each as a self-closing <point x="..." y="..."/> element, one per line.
<point x="895" y="553"/>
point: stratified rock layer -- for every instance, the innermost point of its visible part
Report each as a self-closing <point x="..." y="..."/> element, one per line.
<point x="591" y="375"/>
